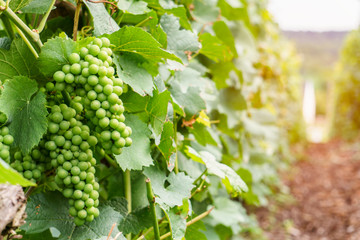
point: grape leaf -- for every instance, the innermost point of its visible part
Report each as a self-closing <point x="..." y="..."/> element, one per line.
<point x="205" y="11"/>
<point x="9" y="175"/>
<point x="103" y="22"/>
<point x="190" y="101"/>
<point x="25" y="110"/>
<point x="51" y="209"/>
<point x="193" y="231"/>
<point x="37" y="6"/>
<point x="228" y="213"/>
<point x="178" y="40"/>
<point x="214" y="49"/>
<point x="180" y="12"/>
<point x="230" y="178"/>
<point x="232" y="12"/>
<point x="5" y="43"/>
<point x="136" y="41"/>
<point x="15" y="5"/>
<point x="18" y="61"/>
<point x="177" y="224"/>
<point x="223" y="32"/>
<point x="166" y="145"/>
<point x="202" y="134"/>
<point x="46" y="235"/>
<point x="220" y="73"/>
<point x="134" y="102"/>
<point x="172" y="195"/>
<point x="133" y="7"/>
<point x="157" y="110"/>
<point x="54" y="54"/>
<point x="137" y="155"/>
<point x="132" y="74"/>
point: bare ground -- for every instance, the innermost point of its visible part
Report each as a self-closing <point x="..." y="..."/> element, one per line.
<point x="326" y="189"/>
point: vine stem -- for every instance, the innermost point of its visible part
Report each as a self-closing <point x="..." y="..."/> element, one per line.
<point x="66" y="97"/>
<point x="176" y="169"/>
<point x="27" y="42"/>
<point x="33" y="35"/>
<point x="44" y="19"/>
<point x="151" y="199"/>
<point x="76" y="19"/>
<point x="192" y="221"/>
<point x="127" y="183"/>
<point x="8" y="28"/>
<point x="143" y="21"/>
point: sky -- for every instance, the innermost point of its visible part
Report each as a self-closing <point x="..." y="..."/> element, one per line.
<point x="316" y="15"/>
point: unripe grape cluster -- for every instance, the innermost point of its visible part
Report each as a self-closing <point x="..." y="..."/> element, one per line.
<point x="5" y="139"/>
<point x="69" y="143"/>
<point x="33" y="165"/>
<point x="90" y="80"/>
<point x="85" y="114"/>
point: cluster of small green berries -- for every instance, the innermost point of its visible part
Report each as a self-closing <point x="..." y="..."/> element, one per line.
<point x="91" y="82"/>
<point x="33" y="165"/>
<point x="69" y="144"/>
<point x="5" y="139"/>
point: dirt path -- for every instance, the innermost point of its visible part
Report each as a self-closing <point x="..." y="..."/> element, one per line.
<point x="326" y="189"/>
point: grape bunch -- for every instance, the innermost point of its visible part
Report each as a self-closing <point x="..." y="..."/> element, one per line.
<point x="91" y="82"/>
<point x="5" y="139"/>
<point x="69" y="144"/>
<point x="33" y="165"/>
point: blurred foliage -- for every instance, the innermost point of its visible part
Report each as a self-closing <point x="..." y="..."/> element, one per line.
<point x="346" y="111"/>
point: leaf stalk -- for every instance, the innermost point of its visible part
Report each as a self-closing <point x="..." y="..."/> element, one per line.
<point x="151" y="199"/>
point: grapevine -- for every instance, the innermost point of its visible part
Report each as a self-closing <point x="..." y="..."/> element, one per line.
<point x="142" y="119"/>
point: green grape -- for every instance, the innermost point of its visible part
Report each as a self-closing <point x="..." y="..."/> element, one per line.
<point x="78" y="221"/>
<point x="74" y="58"/>
<point x="59" y="76"/>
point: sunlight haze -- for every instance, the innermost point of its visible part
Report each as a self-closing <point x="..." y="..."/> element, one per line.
<point x="316" y="15"/>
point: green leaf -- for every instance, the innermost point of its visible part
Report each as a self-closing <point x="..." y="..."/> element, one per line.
<point x="180" y="12"/>
<point x="54" y="54"/>
<point x="136" y="41"/>
<point x="16" y="5"/>
<point x="223" y="33"/>
<point x="137" y="155"/>
<point x="103" y="22"/>
<point x="214" y="49"/>
<point x="166" y="145"/>
<point x="25" y="110"/>
<point x="206" y="11"/>
<point x="179" y="187"/>
<point x="19" y="61"/>
<point x="178" y="40"/>
<point x="177" y="224"/>
<point x="51" y="209"/>
<point x="133" y="6"/>
<point x="228" y="213"/>
<point x="236" y="12"/>
<point x="37" y="6"/>
<point x="193" y="231"/>
<point x="136" y="221"/>
<point x="157" y="110"/>
<point x="202" y="134"/>
<point x="5" y="43"/>
<point x="190" y="101"/>
<point x="230" y="178"/>
<point x="220" y="73"/>
<point x="134" y="102"/>
<point x="47" y="235"/>
<point x="128" y="69"/>
<point x="9" y="175"/>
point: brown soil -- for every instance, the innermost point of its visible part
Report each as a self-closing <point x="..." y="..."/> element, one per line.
<point x="326" y="190"/>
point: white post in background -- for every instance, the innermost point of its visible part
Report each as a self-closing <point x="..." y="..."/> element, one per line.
<point x="309" y="103"/>
<point x="314" y="131"/>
